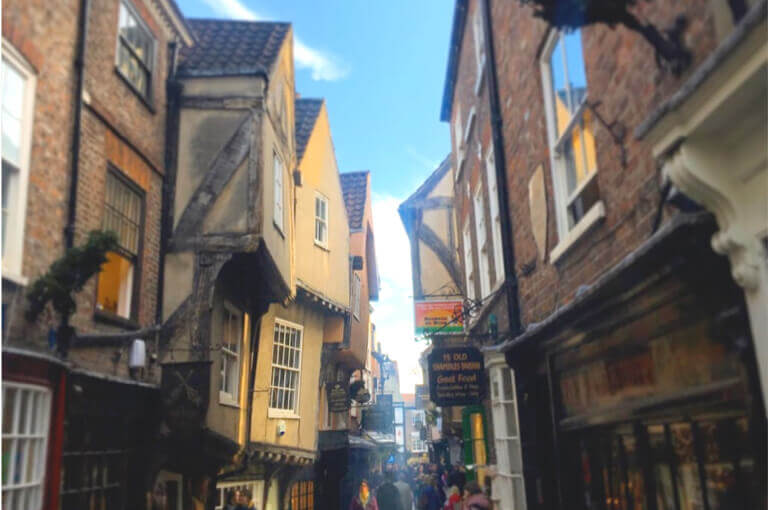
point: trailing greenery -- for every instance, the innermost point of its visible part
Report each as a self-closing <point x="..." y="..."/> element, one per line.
<point x="66" y="277"/>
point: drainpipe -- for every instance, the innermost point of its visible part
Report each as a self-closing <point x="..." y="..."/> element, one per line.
<point x="511" y="286"/>
<point x="69" y="229"/>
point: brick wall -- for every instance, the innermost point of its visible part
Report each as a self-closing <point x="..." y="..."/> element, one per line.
<point x="623" y="76"/>
<point x="117" y="127"/>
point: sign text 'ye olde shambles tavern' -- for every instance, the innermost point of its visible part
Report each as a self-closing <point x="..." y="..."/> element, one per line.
<point x="456" y="376"/>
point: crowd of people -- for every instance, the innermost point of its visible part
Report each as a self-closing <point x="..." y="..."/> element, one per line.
<point x="420" y="487"/>
<point x="237" y="499"/>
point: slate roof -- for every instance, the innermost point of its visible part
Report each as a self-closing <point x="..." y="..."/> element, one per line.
<point x="354" y="186"/>
<point x="232" y="47"/>
<point x="307" y="111"/>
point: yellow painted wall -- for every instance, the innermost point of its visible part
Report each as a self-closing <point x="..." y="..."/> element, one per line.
<point x="301" y="431"/>
<point x="324" y="270"/>
<point x="359" y="327"/>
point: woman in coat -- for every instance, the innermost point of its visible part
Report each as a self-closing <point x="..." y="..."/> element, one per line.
<point x="363" y="500"/>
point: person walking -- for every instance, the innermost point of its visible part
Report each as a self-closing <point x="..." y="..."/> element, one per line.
<point x="428" y="497"/>
<point x="387" y="495"/>
<point x="474" y="499"/>
<point x="406" y="494"/>
<point x="363" y="500"/>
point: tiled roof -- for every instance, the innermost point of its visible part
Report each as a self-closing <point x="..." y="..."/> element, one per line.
<point x="230" y="47"/>
<point x="354" y="185"/>
<point x="307" y="111"/>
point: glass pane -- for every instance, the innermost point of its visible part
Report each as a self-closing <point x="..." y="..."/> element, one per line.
<point x="719" y="441"/>
<point x="581" y="205"/>
<point x="11" y="138"/>
<point x="662" y="471"/>
<point x="115" y="286"/>
<point x="577" y="77"/>
<point x="506" y="379"/>
<point x="13" y="91"/>
<point x="23" y="417"/>
<point x="559" y="92"/>
<point x="9" y="400"/>
<point x="511" y="419"/>
<point x="635" y="479"/>
<point x="688" y="481"/>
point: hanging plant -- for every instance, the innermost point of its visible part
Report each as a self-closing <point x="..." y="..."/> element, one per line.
<point x="66" y="277"/>
<point x="573" y="14"/>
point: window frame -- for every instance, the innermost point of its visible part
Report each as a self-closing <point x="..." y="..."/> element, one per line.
<point x="149" y="67"/>
<point x="320" y="198"/>
<point x="278" y="209"/>
<point x="226" y="398"/>
<point x="274" y="412"/>
<point x="469" y="266"/>
<point x="357" y="291"/>
<point x="478" y="33"/>
<point x="495" y="216"/>
<point x="500" y="401"/>
<point x="567" y="235"/>
<point x="12" y="263"/>
<point x="481" y="233"/>
<point x="302" y="493"/>
<point x="459" y="141"/>
<point x="43" y="404"/>
<point x="136" y="259"/>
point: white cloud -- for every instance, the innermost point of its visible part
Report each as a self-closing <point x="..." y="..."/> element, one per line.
<point x="393" y="314"/>
<point x="323" y="65"/>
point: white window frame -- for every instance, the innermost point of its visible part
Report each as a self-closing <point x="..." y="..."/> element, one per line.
<point x="357" y="287"/>
<point x="278" y="212"/>
<point x="478" y="32"/>
<point x="566" y="235"/>
<point x="508" y="479"/>
<point x="166" y="476"/>
<point x="14" y="238"/>
<point x="256" y="487"/>
<point x="470" y="124"/>
<point x="469" y="267"/>
<point x="38" y="401"/>
<point x="458" y="141"/>
<point x="152" y="57"/>
<point x="482" y="241"/>
<point x="322" y="199"/>
<point x="274" y="412"/>
<point x="225" y="397"/>
<point x="493" y="205"/>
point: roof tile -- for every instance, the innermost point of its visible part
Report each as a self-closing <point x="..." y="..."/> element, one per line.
<point x="307" y="111"/>
<point x="232" y="47"/>
<point x="355" y="188"/>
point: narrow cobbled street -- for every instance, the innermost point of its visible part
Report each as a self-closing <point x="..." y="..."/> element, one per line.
<point x="384" y="255"/>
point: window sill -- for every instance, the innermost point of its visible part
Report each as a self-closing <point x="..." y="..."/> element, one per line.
<point x="114" y="319"/>
<point x="282" y="415"/>
<point x="595" y="214"/>
<point x="322" y="246"/>
<point x="226" y="399"/>
<point x="278" y="228"/>
<point x="146" y="101"/>
<point x="21" y="281"/>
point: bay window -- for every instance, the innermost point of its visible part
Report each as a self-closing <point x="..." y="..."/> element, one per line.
<point x="508" y="484"/>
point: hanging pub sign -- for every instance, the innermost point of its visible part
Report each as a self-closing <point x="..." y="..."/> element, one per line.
<point x="185" y="389"/>
<point x="380" y="417"/>
<point x="439" y="317"/>
<point x="456" y="376"/>
<point x="338" y="397"/>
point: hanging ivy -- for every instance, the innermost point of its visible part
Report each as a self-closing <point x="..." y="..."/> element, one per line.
<point x="573" y="14"/>
<point x="65" y="278"/>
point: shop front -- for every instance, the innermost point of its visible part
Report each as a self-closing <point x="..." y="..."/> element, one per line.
<point x="653" y="396"/>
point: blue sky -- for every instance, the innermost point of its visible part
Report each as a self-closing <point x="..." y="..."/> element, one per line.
<point x="380" y="65"/>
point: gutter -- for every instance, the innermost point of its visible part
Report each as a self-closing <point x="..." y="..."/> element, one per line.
<point x="69" y="229"/>
<point x="510" y="277"/>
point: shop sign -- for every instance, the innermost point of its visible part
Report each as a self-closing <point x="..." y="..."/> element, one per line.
<point x="456" y="376"/>
<point x="338" y="397"/>
<point x="439" y="317"/>
<point x="380" y="417"/>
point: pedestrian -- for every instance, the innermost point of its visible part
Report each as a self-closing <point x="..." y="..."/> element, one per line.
<point x="454" y="499"/>
<point x="387" y="495"/>
<point x="474" y="499"/>
<point x="363" y="500"/>
<point x="406" y="494"/>
<point x="458" y="478"/>
<point x="428" y="497"/>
